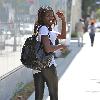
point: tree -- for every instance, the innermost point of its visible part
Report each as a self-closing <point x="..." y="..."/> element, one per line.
<point x="98" y="14"/>
<point x="87" y="7"/>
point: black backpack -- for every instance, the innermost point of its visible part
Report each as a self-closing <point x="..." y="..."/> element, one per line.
<point x="33" y="55"/>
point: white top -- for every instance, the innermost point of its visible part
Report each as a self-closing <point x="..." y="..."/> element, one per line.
<point x="91" y="29"/>
<point x="53" y="35"/>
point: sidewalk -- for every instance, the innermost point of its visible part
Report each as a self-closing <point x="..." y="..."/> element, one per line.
<point x="79" y="79"/>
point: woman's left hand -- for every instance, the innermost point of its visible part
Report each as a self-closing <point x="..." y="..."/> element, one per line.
<point x="60" y="15"/>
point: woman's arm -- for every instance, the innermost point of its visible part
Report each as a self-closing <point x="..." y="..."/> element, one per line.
<point x="63" y="29"/>
<point x="48" y="47"/>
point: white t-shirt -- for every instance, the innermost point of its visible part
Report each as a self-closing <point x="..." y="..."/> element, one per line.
<point x="91" y="29"/>
<point x="53" y="35"/>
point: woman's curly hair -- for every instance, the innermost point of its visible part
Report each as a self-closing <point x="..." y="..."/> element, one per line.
<point x="41" y="15"/>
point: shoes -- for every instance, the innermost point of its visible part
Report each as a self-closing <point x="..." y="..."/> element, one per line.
<point x="92" y="44"/>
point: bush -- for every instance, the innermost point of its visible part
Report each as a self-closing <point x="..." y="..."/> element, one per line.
<point x="98" y="14"/>
<point x="25" y="92"/>
<point x="74" y="34"/>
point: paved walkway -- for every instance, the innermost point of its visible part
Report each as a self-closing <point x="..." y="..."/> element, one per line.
<point x="81" y="81"/>
<point x="79" y="72"/>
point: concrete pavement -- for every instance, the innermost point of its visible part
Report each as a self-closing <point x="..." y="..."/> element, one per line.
<point x="79" y="79"/>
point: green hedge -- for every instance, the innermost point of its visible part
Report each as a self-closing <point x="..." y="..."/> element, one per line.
<point x="74" y="34"/>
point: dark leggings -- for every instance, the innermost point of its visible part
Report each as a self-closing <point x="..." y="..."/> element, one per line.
<point x="92" y="38"/>
<point x="48" y="75"/>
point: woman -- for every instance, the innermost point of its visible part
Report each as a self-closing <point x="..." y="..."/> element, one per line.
<point x="92" y="30"/>
<point x="43" y="26"/>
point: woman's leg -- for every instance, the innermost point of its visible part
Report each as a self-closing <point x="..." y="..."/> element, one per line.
<point x="50" y="76"/>
<point x="91" y="38"/>
<point x="39" y="86"/>
<point x="81" y="38"/>
<point x="78" y="38"/>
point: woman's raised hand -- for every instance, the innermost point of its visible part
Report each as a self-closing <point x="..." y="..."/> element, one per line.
<point x="60" y="15"/>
